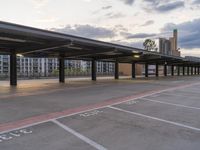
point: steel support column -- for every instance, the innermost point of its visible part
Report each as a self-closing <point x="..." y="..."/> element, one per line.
<point x="188" y="70"/>
<point x="165" y="69"/>
<point x="191" y="70"/>
<point x="94" y="70"/>
<point x="62" y="69"/>
<point x="157" y="70"/>
<point x="178" y="73"/>
<point x="13" y="68"/>
<point x="172" y="70"/>
<point x="116" y="70"/>
<point x="146" y="69"/>
<point x="183" y="70"/>
<point x="133" y="70"/>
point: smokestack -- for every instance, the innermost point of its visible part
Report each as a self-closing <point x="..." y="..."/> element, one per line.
<point x="175" y="34"/>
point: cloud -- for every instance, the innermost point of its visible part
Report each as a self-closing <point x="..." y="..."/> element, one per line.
<point x="113" y="15"/>
<point x="196" y="2"/>
<point x="163" y="6"/>
<point x="39" y="3"/>
<point x="87" y="31"/>
<point x="106" y="7"/>
<point x="147" y="23"/>
<point x="137" y="36"/>
<point x="189" y="33"/>
<point x="128" y="2"/>
<point x="138" y="44"/>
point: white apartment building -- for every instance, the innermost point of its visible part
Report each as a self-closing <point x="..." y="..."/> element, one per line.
<point x="44" y="67"/>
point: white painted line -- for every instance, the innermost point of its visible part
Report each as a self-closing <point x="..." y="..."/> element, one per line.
<point x="80" y="136"/>
<point x="178" y="95"/>
<point x="154" y="118"/>
<point x="178" y="105"/>
<point x="153" y="93"/>
<point x="37" y="123"/>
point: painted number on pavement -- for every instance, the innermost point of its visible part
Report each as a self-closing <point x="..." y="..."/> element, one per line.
<point x="131" y="102"/>
<point x="91" y="113"/>
<point x="14" y="134"/>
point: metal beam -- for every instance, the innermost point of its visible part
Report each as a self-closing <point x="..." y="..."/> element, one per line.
<point x="165" y="69"/>
<point x="13" y="68"/>
<point x="62" y="69"/>
<point x="183" y="70"/>
<point x="178" y="73"/>
<point x="146" y="70"/>
<point x="188" y="70"/>
<point x="172" y="70"/>
<point x="133" y="70"/>
<point x="192" y="70"/>
<point x="94" y="70"/>
<point x="157" y="70"/>
<point x="116" y="70"/>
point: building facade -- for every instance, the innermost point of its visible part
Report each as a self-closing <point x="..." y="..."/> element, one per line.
<point x="169" y="46"/>
<point x="46" y="67"/>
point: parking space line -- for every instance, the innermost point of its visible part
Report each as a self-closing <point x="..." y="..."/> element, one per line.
<point x="80" y="136"/>
<point x="178" y="105"/>
<point x="155" y="118"/>
<point x="7" y="127"/>
<point x="177" y="95"/>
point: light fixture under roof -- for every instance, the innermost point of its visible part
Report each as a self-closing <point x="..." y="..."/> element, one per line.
<point x="136" y="56"/>
<point x="20" y="55"/>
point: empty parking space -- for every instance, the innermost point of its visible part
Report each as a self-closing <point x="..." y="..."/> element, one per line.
<point x="161" y="119"/>
<point x="44" y="136"/>
<point x="118" y="130"/>
<point x="184" y="96"/>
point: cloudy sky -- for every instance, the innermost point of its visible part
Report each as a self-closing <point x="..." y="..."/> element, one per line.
<point x="126" y="22"/>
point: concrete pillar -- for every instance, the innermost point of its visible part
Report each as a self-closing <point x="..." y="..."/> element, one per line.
<point x="157" y="70"/>
<point x="146" y="70"/>
<point x="62" y="69"/>
<point x="165" y="69"/>
<point x="195" y="70"/>
<point x="94" y="70"/>
<point x="172" y="70"/>
<point x="133" y="70"/>
<point x="116" y="70"/>
<point x="198" y="70"/>
<point x="13" y="68"/>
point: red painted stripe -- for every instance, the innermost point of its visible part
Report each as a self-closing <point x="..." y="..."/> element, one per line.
<point x="46" y="117"/>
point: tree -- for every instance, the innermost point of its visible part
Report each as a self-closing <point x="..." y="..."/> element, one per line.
<point x="150" y="45"/>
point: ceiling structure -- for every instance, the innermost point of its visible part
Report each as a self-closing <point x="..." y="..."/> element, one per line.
<point x="33" y="42"/>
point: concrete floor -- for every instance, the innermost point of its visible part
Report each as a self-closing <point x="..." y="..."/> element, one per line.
<point x="154" y="114"/>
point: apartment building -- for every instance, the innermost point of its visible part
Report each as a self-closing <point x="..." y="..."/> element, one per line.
<point x="44" y="67"/>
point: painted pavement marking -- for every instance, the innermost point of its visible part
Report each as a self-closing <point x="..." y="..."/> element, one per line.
<point x="155" y="118"/>
<point x="90" y="113"/>
<point x="173" y="104"/>
<point x="8" y="127"/>
<point x="14" y="134"/>
<point x="80" y="136"/>
<point x="169" y="94"/>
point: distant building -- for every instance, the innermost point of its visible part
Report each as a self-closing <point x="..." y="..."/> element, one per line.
<point x="45" y="67"/>
<point x="169" y="46"/>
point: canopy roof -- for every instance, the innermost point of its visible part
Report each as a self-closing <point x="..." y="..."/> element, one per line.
<point x="33" y="42"/>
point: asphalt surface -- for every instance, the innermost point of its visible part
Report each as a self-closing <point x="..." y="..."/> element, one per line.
<point x="157" y="114"/>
